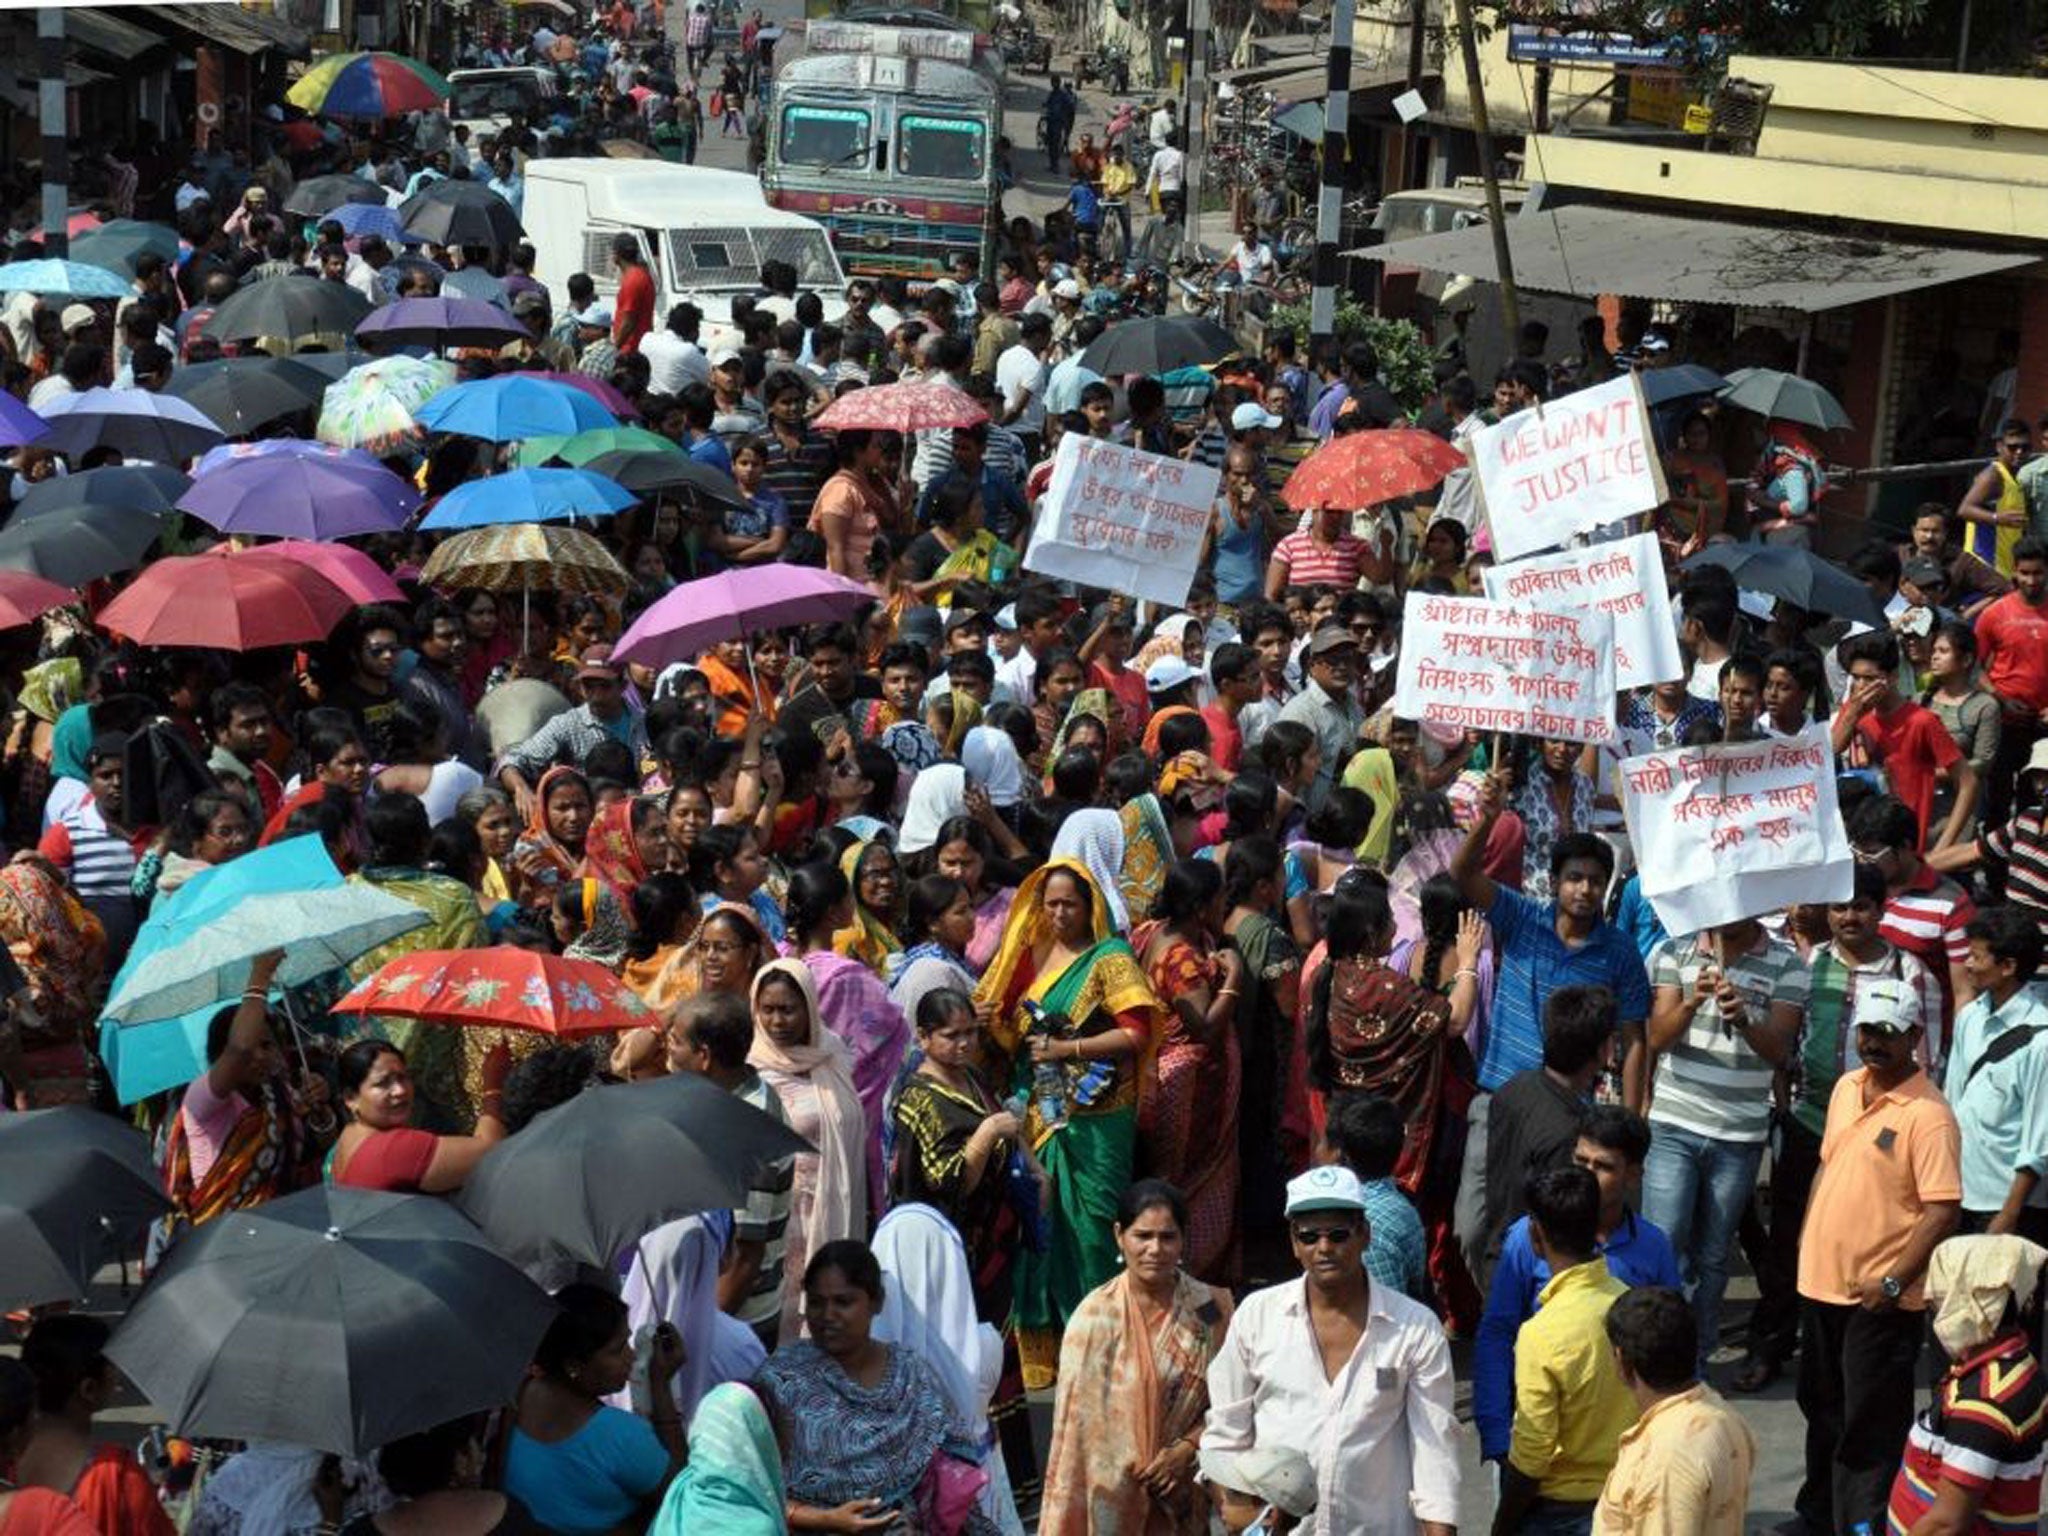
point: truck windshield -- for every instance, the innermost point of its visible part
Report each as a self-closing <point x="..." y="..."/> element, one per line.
<point x="731" y="257"/>
<point x="824" y="136"/>
<point x="488" y="98"/>
<point x="948" y="147"/>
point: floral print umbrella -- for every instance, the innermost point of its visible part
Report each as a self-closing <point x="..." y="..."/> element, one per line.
<point x="500" y="988"/>
<point x="1363" y="469"/>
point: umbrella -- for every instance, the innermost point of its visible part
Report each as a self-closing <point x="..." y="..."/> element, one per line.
<point x="1159" y="344"/>
<point x="329" y="364"/>
<point x="131" y="488"/>
<point x="289" y="307"/>
<point x="135" y="422"/>
<point x="320" y="195"/>
<point x="733" y="604"/>
<point x="79" y="545"/>
<point x="302" y="496"/>
<point x="363" y="579"/>
<point x="603" y="391"/>
<point x="287" y="896"/>
<point x="1798" y="576"/>
<point x="219" y="458"/>
<point x="241" y="394"/>
<point x="25" y="598"/>
<point x="19" y="424"/>
<point x="1363" y="469"/>
<point x="901" y="408"/>
<point x="596" y="443"/>
<point x="117" y="244"/>
<point x="361" y="220"/>
<point x="232" y="605"/>
<point x="1784" y="396"/>
<point x="528" y="496"/>
<point x="341" y="1319"/>
<point x="461" y="213"/>
<point x="503" y="987"/>
<point x="77" y="1187"/>
<point x="523" y="557"/>
<point x="440" y="322"/>
<point x="72" y="279"/>
<point x="586" y="1180"/>
<point x="646" y="472"/>
<point x="476" y="284"/>
<point x="1678" y="382"/>
<point x="373" y="405"/>
<point x="512" y="406"/>
<point x="368" y="85"/>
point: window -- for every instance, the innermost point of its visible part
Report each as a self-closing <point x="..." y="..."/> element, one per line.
<point x="732" y="257"/>
<point x="824" y="136"/>
<point x="945" y="147"/>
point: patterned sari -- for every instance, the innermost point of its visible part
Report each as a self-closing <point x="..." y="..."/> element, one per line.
<point x="1148" y="854"/>
<point x="1089" y="1155"/>
<point x="1266" y="1159"/>
<point x="1125" y="1393"/>
<point x="61" y="951"/>
<point x="610" y="853"/>
<point x="265" y="1156"/>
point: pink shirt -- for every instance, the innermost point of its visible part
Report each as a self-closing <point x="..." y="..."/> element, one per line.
<point x="209" y="1121"/>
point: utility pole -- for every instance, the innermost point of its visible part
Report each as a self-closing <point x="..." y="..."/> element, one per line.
<point x="1197" y="118"/>
<point x="1482" y="130"/>
<point x="1322" y="309"/>
<point x="56" y="151"/>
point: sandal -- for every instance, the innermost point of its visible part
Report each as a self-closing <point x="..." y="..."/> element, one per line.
<point x="1755" y="1373"/>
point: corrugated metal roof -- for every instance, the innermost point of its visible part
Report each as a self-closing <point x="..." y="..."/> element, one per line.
<point x="1587" y="252"/>
<point x="232" y="26"/>
<point x="106" y="33"/>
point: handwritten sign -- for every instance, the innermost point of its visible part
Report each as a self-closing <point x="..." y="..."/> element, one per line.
<point x="1566" y="466"/>
<point x="1487" y="666"/>
<point x="1124" y="519"/>
<point x="1623" y="579"/>
<point x="1733" y="831"/>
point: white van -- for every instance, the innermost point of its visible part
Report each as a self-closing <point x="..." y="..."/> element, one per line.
<point x="705" y="233"/>
<point x="483" y="100"/>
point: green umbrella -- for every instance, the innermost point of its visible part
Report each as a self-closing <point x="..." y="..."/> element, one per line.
<point x="595" y="442"/>
<point x="1780" y="396"/>
<point x="116" y="244"/>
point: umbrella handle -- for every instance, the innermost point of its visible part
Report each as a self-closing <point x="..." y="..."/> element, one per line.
<point x="298" y="1033"/>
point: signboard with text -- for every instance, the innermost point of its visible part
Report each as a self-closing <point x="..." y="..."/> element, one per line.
<point x="1124" y="519"/>
<point x="1623" y="579"/>
<point x="1567" y="466"/>
<point x="1487" y="666"/>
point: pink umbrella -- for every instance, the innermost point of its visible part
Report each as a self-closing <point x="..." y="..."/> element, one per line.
<point x="901" y="408"/>
<point x="24" y="598"/>
<point x="236" y="604"/>
<point x="732" y="606"/>
<point x="600" y="390"/>
<point x="363" y="579"/>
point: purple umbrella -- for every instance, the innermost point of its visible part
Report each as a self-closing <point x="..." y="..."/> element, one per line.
<point x="311" y="496"/>
<point x="280" y="448"/>
<point x="732" y="606"/>
<point x="440" y="322"/>
<point x="18" y="424"/>
<point x="603" y="391"/>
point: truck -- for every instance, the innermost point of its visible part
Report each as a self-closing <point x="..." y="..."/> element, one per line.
<point x="483" y="100"/>
<point x="887" y="135"/>
<point x="705" y="234"/>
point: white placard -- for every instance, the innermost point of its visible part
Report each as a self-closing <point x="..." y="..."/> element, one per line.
<point x="1567" y="466"/>
<point x="1488" y="666"/>
<point x="1623" y="579"/>
<point x="1124" y="519"/>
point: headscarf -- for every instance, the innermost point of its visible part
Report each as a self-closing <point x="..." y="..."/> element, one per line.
<point x="937" y="795"/>
<point x="537" y="835"/>
<point x="610" y="853"/>
<point x="840" y="1206"/>
<point x="1192" y="776"/>
<point x="70" y="741"/>
<point x="1371" y="773"/>
<point x="1027" y="927"/>
<point x="1969" y="1282"/>
<point x="1092" y="704"/>
<point x="50" y="687"/>
<point x="871" y="940"/>
<point x="992" y="763"/>
<point x="913" y="745"/>
<point x="606" y="933"/>
<point x="1159" y="718"/>
<point x="683" y="976"/>
<point x="733" y="1483"/>
<point x="966" y="716"/>
<point x="1094" y="838"/>
<point x="673" y="1278"/>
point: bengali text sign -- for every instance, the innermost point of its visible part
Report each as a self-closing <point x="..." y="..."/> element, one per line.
<point x="1490" y="666"/>
<point x="1120" y="518"/>
<point x="1566" y="466"/>
<point x="1623" y="579"/>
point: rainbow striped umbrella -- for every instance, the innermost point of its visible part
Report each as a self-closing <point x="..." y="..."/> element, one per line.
<point x="368" y="85"/>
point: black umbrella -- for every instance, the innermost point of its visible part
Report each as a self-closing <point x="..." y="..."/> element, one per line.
<point x="151" y="489"/>
<point x="1681" y="381"/>
<point x="321" y="194"/>
<point x="288" y="307"/>
<point x="1799" y="576"/>
<point x="244" y="393"/>
<point x="340" y="1319"/>
<point x="649" y="471"/>
<point x="160" y="773"/>
<point x="588" y="1179"/>
<point x="1158" y="344"/>
<point x="79" y="545"/>
<point x="76" y="1189"/>
<point x="461" y="213"/>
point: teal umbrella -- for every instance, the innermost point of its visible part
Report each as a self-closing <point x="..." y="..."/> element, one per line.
<point x="117" y="244"/>
<point x="288" y="896"/>
<point x="72" y="278"/>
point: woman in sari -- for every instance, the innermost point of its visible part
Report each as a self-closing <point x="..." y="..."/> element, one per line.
<point x="721" y="955"/>
<point x="26" y="762"/>
<point x="811" y="1073"/>
<point x="938" y="926"/>
<point x="1060" y="676"/>
<point x="964" y="850"/>
<point x="1253" y="878"/>
<point x="732" y="1483"/>
<point x="954" y="547"/>
<point x="1134" y="1386"/>
<point x="875" y="881"/>
<point x="590" y="924"/>
<point x="379" y="1148"/>
<point x="59" y="950"/>
<point x="1189" y="1126"/>
<point x="551" y="848"/>
<point x="1065" y="992"/>
<point x="627" y="842"/>
<point x="490" y="811"/>
<point x="737" y="691"/>
<point x="664" y="916"/>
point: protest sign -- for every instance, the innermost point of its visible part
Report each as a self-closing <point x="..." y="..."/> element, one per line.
<point x="1488" y="666"/>
<point x="1123" y="519"/>
<point x="1566" y="466"/>
<point x="1623" y="579"/>
<point x="1736" y="830"/>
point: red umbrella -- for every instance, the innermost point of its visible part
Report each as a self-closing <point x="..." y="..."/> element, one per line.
<point x="502" y="987"/>
<point x="363" y="579"/>
<point x="24" y="598"/>
<point x="901" y="408"/>
<point x="236" y="604"/>
<point x="1363" y="469"/>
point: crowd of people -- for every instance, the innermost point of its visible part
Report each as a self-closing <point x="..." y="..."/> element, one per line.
<point x="1177" y="1030"/>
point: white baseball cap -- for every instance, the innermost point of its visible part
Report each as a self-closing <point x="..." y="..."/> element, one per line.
<point x="1168" y="672"/>
<point x="1331" y="1187"/>
<point x="720" y="356"/>
<point x="1250" y="415"/>
<point x="1066" y="288"/>
<point x="1885" y="1004"/>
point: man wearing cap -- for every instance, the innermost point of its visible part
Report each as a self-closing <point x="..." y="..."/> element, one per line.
<point x="1354" y="1375"/>
<point x="1327" y="705"/>
<point x="596" y="353"/>
<point x="738" y="415"/>
<point x="604" y="715"/>
<point x="1889" y="1189"/>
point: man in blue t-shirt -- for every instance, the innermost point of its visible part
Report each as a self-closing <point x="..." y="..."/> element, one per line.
<point x="1085" y="203"/>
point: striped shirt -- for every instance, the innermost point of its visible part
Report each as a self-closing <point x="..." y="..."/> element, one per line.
<point x="764" y="1219"/>
<point x="2020" y="848"/>
<point x="1983" y="1432"/>
<point x="1926" y="920"/>
<point x="796" y="474"/>
<point x="98" y="862"/>
<point x="1310" y="564"/>
<point x="1712" y="1082"/>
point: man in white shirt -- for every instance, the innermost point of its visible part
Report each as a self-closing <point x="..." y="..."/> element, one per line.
<point x="1353" y="1375"/>
<point x="1252" y="257"/>
<point x="1160" y="128"/>
<point x="673" y="356"/>
<point x="1021" y="375"/>
<point x="1166" y="188"/>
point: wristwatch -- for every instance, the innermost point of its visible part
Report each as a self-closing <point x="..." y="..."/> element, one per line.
<point x="1891" y="1287"/>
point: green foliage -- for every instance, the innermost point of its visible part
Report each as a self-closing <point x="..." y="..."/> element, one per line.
<point x="1405" y="358"/>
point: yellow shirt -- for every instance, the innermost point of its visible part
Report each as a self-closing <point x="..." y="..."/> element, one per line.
<point x="1571" y="1409"/>
<point x="1118" y="178"/>
<point x="1683" y="1470"/>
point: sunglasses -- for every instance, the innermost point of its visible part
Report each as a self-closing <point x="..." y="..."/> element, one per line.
<point x="1309" y="1237"/>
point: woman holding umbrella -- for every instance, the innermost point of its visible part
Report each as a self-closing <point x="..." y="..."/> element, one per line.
<point x="379" y="1149"/>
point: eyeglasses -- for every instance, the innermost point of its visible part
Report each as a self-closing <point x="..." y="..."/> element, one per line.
<point x="1309" y="1237"/>
<point x="722" y="946"/>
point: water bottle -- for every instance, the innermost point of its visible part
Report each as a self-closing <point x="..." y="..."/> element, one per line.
<point x="1049" y="1093"/>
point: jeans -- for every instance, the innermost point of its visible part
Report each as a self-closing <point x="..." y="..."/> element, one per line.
<point x="1549" y="1517"/>
<point x="1696" y="1188"/>
<point x="1856" y="1390"/>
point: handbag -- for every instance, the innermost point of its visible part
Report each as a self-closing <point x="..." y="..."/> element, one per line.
<point x="949" y="1492"/>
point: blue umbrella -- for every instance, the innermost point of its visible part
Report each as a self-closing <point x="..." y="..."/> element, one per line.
<point x="529" y="496"/>
<point x="510" y="407"/>
<point x="287" y="896"/>
<point x="361" y="220"/>
<point x="78" y="279"/>
<point x="1679" y="382"/>
<point x="19" y="424"/>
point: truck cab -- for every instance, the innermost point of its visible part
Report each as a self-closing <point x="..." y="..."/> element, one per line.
<point x="483" y="100"/>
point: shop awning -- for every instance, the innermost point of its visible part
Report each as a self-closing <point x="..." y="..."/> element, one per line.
<point x="1587" y="252"/>
<point x="105" y="33"/>
<point x="243" y="31"/>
